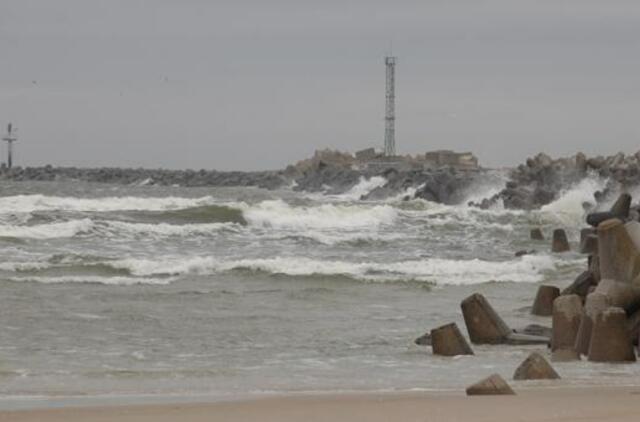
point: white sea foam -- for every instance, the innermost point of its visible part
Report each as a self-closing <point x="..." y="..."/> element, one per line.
<point x="279" y="214"/>
<point x="439" y="271"/>
<point x="165" y="229"/>
<point x="47" y="231"/>
<point x="123" y="281"/>
<point x="568" y="207"/>
<point x="363" y="187"/>
<point x="31" y="203"/>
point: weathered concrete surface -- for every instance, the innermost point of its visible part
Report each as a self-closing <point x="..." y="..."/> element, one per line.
<point x="483" y="323"/>
<point x="567" y="312"/>
<point x="543" y="303"/>
<point x="622" y="206"/>
<point x="620" y="294"/>
<point x="589" y="245"/>
<point x="595" y="303"/>
<point x="560" y="243"/>
<point x="610" y="340"/>
<point x="580" y="285"/>
<point x="492" y="385"/>
<point x="447" y="340"/>
<point x="536" y="234"/>
<point x="535" y="367"/>
<point x="619" y="250"/>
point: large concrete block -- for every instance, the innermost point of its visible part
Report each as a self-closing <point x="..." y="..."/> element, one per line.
<point x="492" y="385"/>
<point x="594" y="266"/>
<point x="581" y="285"/>
<point x="543" y="304"/>
<point x="535" y="367"/>
<point x="589" y="245"/>
<point x="619" y="250"/>
<point x="560" y="243"/>
<point x="610" y="340"/>
<point x="619" y="211"/>
<point x="633" y="326"/>
<point x="483" y="323"/>
<point x="449" y="341"/>
<point x="622" y="295"/>
<point x="596" y="218"/>
<point x="567" y="312"/>
<point x="536" y="234"/>
<point x="595" y="303"/>
<point x="622" y="205"/>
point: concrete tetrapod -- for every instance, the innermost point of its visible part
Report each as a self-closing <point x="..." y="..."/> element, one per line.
<point x="619" y="250"/>
<point x="492" y="385"/>
<point x="620" y="294"/>
<point x="535" y="367"/>
<point x="622" y="205"/>
<point x="483" y="323"/>
<point x="560" y="243"/>
<point x="589" y="245"/>
<point x="543" y="304"/>
<point x="485" y="326"/>
<point x="536" y="234"/>
<point x="580" y="285"/>
<point x="449" y="341"/>
<point x="567" y="312"/>
<point x="610" y="340"/>
<point x="595" y="303"/>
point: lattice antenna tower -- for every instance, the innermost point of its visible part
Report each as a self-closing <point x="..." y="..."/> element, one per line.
<point x="10" y="138"/>
<point x="390" y="107"/>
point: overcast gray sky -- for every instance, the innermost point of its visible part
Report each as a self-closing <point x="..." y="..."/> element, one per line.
<point x="257" y="84"/>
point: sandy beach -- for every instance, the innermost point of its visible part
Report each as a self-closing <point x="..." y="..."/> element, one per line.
<point x="551" y="404"/>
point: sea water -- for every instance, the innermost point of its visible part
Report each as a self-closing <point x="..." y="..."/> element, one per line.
<point x="132" y="291"/>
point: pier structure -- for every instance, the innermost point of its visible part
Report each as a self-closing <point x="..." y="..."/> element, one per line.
<point x="10" y="138"/>
<point x="390" y="108"/>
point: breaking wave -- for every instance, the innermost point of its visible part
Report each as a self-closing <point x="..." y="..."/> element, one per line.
<point x="32" y="203"/>
<point x="118" y="281"/>
<point x="279" y="214"/>
<point x="47" y="231"/>
<point x="438" y="271"/>
<point x="111" y="228"/>
<point x="568" y="208"/>
<point x="363" y="187"/>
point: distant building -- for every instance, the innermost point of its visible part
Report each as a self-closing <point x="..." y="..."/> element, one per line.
<point x="443" y="158"/>
<point x="366" y="154"/>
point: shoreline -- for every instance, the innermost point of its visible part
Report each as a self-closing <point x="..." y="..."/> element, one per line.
<point x="530" y="404"/>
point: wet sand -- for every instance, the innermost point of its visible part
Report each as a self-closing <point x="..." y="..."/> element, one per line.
<point x="547" y="404"/>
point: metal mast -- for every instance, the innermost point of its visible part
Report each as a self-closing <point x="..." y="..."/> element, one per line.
<point x="10" y="138"/>
<point x="390" y="108"/>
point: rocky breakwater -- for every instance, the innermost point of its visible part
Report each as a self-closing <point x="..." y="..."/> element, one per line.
<point x="597" y="316"/>
<point x="335" y="173"/>
<point x="540" y="179"/>
<point x="164" y="177"/>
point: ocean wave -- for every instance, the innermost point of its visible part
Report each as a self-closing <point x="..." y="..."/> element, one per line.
<point x="38" y="202"/>
<point x="119" y="281"/>
<point x="165" y="229"/>
<point x="436" y="270"/>
<point x="279" y="214"/>
<point x="568" y="207"/>
<point x="48" y="231"/>
<point x="112" y="228"/>
<point x="363" y="187"/>
<point x="201" y="214"/>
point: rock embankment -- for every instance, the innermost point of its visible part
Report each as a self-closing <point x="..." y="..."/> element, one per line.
<point x="189" y="178"/>
<point x="540" y="179"/>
